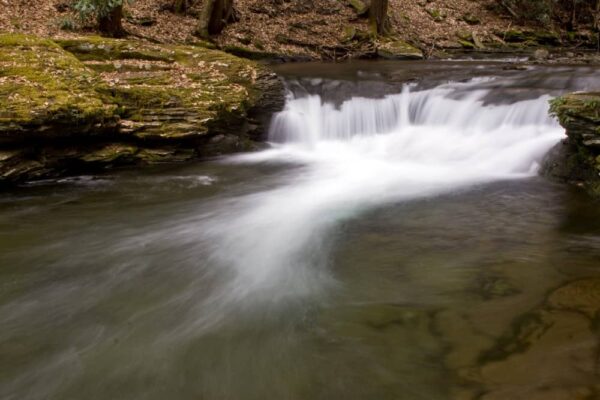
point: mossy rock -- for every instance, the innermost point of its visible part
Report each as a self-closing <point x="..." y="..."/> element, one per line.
<point x="578" y="160"/>
<point x="545" y="38"/>
<point x="123" y="102"/>
<point x="348" y="34"/>
<point x="185" y="91"/>
<point x="398" y="50"/>
<point x="436" y="14"/>
<point x="578" y="106"/>
<point x="471" y="19"/>
<point x="466" y="44"/>
<point x="359" y="6"/>
<point x="111" y="153"/>
<point x="464" y="35"/>
<point x="250" y="53"/>
<point x="99" y="48"/>
<point x="516" y="36"/>
<point x="46" y="92"/>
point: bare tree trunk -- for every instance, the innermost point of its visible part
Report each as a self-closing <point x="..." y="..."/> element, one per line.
<point x="231" y="13"/>
<point x="181" y="6"/>
<point x="574" y="15"/>
<point x="571" y="21"/>
<point x="215" y="14"/>
<point x="378" y="17"/>
<point x="597" y="17"/>
<point x="111" y="24"/>
<point x="205" y="18"/>
<point x="217" y="23"/>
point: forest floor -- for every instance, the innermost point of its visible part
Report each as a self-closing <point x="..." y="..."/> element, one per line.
<point x="303" y="28"/>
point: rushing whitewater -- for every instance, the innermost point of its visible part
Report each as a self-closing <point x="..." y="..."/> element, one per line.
<point x="272" y="245"/>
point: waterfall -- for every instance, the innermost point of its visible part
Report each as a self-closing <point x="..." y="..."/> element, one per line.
<point x="446" y="134"/>
<point x="308" y="119"/>
<point x="360" y="154"/>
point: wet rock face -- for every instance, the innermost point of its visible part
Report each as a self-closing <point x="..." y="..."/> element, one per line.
<point x="577" y="160"/>
<point x="271" y="99"/>
<point x="113" y="102"/>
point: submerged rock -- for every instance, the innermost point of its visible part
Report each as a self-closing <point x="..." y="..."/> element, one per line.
<point x="114" y="102"/>
<point x="577" y="159"/>
<point x="547" y="352"/>
<point x="581" y="296"/>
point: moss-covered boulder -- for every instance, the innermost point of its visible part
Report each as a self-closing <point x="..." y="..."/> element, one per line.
<point x="530" y="38"/>
<point x="398" y="50"/>
<point x="46" y="92"/>
<point x="168" y="92"/>
<point x="92" y="102"/>
<point x="577" y="159"/>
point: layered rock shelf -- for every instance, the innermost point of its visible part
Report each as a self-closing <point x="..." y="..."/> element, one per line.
<point x="91" y="102"/>
<point x="577" y="159"/>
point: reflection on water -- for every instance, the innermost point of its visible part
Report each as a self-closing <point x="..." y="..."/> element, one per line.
<point x="423" y="262"/>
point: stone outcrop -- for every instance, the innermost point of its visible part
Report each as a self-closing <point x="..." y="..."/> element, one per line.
<point x="45" y="91"/>
<point x="577" y="159"/>
<point x="92" y="102"/>
<point x="398" y="50"/>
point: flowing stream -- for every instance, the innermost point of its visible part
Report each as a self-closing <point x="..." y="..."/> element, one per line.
<point x="393" y="242"/>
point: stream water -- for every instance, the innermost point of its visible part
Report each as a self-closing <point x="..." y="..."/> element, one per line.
<point x="393" y="242"/>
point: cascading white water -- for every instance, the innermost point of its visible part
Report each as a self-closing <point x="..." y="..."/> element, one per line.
<point x="363" y="154"/>
<point x="309" y="120"/>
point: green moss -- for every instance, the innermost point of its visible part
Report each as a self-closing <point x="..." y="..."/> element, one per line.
<point x="100" y="48"/>
<point x="180" y="95"/>
<point x="348" y="34"/>
<point x="466" y="44"/>
<point x="154" y="79"/>
<point x="111" y="153"/>
<point x="531" y="38"/>
<point x="577" y="105"/>
<point x="20" y="40"/>
<point x="398" y="49"/>
<point x="471" y="19"/>
<point x="436" y="14"/>
<point x="464" y="35"/>
<point x="42" y="84"/>
<point x="251" y="54"/>
<point x="579" y="113"/>
<point x="122" y="66"/>
<point x="140" y="97"/>
<point x="359" y="6"/>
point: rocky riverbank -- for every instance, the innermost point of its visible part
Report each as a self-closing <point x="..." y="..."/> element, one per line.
<point x="577" y="159"/>
<point x="88" y="103"/>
